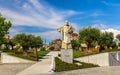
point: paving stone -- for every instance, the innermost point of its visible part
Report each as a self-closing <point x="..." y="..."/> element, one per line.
<point x="12" y="69"/>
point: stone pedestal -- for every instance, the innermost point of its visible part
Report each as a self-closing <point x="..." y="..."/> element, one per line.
<point x="67" y="55"/>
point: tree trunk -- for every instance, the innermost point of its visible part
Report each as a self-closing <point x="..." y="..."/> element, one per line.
<point x="36" y="54"/>
<point x="14" y="50"/>
<point x="25" y="51"/>
<point x="88" y="47"/>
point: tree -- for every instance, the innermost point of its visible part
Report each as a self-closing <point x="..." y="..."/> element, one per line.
<point x="89" y="35"/>
<point x="106" y="40"/>
<point x="27" y="41"/>
<point x="4" y="27"/>
<point x="118" y="37"/>
<point x="52" y="48"/>
<point x="42" y="49"/>
<point x="75" y="44"/>
<point x="35" y="42"/>
<point x="23" y="40"/>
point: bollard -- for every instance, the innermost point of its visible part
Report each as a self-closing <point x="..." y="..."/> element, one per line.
<point x="52" y="65"/>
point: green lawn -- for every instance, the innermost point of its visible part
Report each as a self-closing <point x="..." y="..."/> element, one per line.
<point x="63" y="66"/>
<point x="30" y="56"/>
<point x="42" y="53"/>
<point x="77" y="54"/>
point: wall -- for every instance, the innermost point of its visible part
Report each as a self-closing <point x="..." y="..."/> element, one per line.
<point x="100" y="59"/>
<point x="5" y="58"/>
<point x="103" y="59"/>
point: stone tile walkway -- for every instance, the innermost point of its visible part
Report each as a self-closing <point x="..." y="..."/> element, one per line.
<point x="113" y="70"/>
<point x="42" y="67"/>
<point x="13" y="69"/>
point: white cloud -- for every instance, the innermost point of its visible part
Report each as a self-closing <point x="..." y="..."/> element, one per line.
<point x="75" y="25"/>
<point x="95" y="14"/>
<point x="49" y="35"/>
<point x="35" y="13"/>
<point x="18" y="19"/>
<point x="100" y="26"/>
<point x="115" y="31"/>
<point x="106" y="28"/>
<point x="13" y="31"/>
<point x="21" y="19"/>
<point x="97" y="21"/>
<point x="110" y="4"/>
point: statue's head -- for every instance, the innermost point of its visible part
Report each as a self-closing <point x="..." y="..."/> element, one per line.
<point x="66" y="23"/>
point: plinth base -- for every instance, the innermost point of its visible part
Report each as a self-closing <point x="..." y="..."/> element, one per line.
<point x="67" y="55"/>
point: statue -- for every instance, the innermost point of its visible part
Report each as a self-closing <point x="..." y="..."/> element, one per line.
<point x="66" y="32"/>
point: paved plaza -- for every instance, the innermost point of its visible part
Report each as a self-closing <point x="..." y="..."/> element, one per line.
<point x="43" y="67"/>
<point x="13" y="69"/>
<point x="113" y="70"/>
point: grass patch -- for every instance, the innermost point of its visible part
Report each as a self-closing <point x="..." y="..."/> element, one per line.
<point x="63" y="66"/>
<point x="87" y="65"/>
<point x="30" y="56"/>
<point x="42" y="53"/>
<point x="77" y="54"/>
<point x="20" y="55"/>
<point x="109" y="50"/>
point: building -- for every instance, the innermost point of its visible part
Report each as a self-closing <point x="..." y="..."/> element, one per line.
<point x="57" y="44"/>
<point x="74" y="36"/>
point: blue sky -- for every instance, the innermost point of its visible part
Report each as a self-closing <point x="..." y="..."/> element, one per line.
<point x="43" y="17"/>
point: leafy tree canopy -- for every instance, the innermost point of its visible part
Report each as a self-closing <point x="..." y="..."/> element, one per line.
<point x="106" y="39"/>
<point x="75" y="44"/>
<point x="89" y="35"/>
<point x="118" y="37"/>
<point x="27" y="41"/>
<point x="4" y="27"/>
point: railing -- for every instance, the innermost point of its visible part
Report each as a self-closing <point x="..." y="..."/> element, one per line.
<point x="115" y="57"/>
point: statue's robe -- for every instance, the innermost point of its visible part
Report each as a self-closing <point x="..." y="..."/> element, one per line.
<point x="66" y="32"/>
